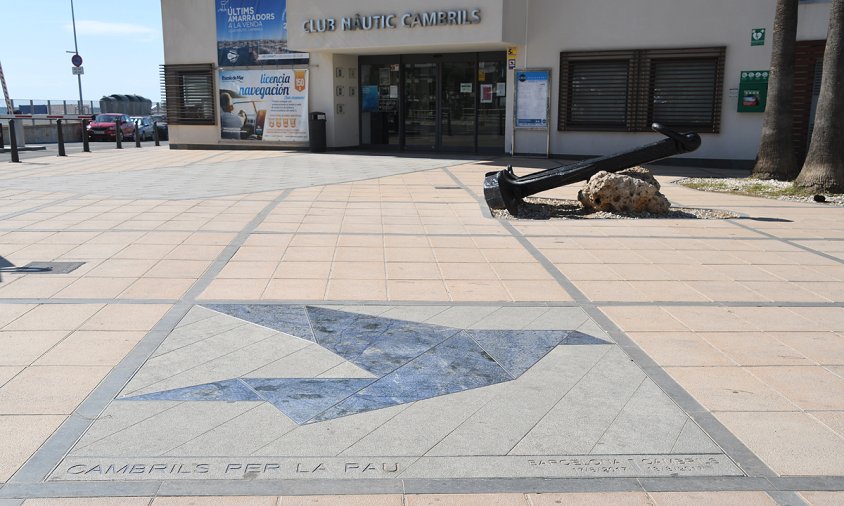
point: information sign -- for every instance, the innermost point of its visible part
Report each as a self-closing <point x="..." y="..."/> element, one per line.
<point x="532" y="98"/>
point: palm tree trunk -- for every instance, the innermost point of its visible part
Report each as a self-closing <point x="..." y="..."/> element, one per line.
<point x="776" y="158"/>
<point x="823" y="170"/>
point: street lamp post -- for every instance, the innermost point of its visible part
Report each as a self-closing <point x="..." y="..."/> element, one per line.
<point x="81" y="109"/>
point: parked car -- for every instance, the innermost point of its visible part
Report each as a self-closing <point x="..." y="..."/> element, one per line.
<point x="103" y="127"/>
<point x="160" y="122"/>
<point x="143" y="127"/>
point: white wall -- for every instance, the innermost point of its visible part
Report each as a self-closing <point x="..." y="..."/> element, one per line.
<point x="574" y="25"/>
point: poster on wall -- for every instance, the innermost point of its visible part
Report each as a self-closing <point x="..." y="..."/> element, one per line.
<point x="254" y="32"/>
<point x="264" y="105"/>
<point x="532" y="98"/>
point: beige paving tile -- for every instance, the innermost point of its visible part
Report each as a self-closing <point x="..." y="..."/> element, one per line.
<point x="467" y="500"/>
<point x="309" y="254"/>
<point x="95" y="288"/>
<point x="729" y="389"/>
<point x="591" y="499"/>
<point x="413" y="270"/>
<point x="611" y="291"/>
<point x="303" y="270"/>
<point x="49" y="390"/>
<point x="356" y="289"/>
<point x="535" y="290"/>
<point x="20" y="437"/>
<point x="178" y="269"/>
<point x="708" y="498"/>
<point x="823" y="498"/>
<point x="11" y="312"/>
<point x="359" y="254"/>
<point x="818" y="318"/>
<point x="789" y="443"/>
<point x="157" y="289"/>
<point x="754" y="348"/>
<point x="248" y="270"/>
<point x="810" y="388"/>
<point x="418" y="254"/>
<point x="358" y="270"/>
<point x="121" y="268"/>
<point x="679" y="349"/>
<point x="91" y="348"/>
<point x="24" y="347"/>
<point x="710" y="319"/>
<point x="779" y="319"/>
<point x="342" y="500"/>
<point x="295" y="289"/>
<point x="476" y="290"/>
<point x="227" y="289"/>
<point x="194" y="252"/>
<point x="419" y="289"/>
<point x="258" y="254"/>
<point x="826" y="348"/>
<point x="632" y="319"/>
<point x="215" y="501"/>
<point x="55" y="317"/>
<point x="126" y="317"/>
<point x="465" y="271"/>
<point x="9" y="372"/>
<point x="92" y="501"/>
<point x="32" y="287"/>
<point x="144" y="251"/>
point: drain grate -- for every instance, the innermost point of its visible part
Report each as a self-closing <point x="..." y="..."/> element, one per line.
<point x="50" y="267"/>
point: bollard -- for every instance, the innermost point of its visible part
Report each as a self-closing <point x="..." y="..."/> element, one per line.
<point x="2" y="145"/>
<point x="137" y="137"/>
<point x="85" y="146"/>
<point x="14" y="140"/>
<point x="60" y="136"/>
<point x="155" y="133"/>
<point x="118" y="134"/>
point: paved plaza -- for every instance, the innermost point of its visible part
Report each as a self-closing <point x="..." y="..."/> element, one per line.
<point x="287" y="328"/>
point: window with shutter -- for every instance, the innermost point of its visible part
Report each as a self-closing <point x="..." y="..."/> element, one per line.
<point x="189" y="92"/>
<point x="630" y="90"/>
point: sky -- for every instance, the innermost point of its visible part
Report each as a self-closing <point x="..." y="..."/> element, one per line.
<point x="120" y="44"/>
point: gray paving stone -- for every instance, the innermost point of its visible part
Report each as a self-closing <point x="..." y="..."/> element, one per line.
<point x="512" y="318"/>
<point x="692" y="438"/>
<point x="197" y="331"/>
<point x="159" y="434"/>
<point x="235" y="364"/>
<point x="121" y="415"/>
<point x="196" y="314"/>
<point x="209" y="179"/>
<point x="330" y="438"/>
<point x="520" y="404"/>
<point x="462" y="316"/>
<point x="568" y="318"/>
<point x="579" y="420"/>
<point x="308" y="362"/>
<point x="346" y="370"/>
<point x="242" y="435"/>
<point x="649" y="407"/>
<point x="194" y="355"/>
<point x="423" y="424"/>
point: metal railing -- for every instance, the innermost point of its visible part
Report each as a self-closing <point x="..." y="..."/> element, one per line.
<point x="60" y="107"/>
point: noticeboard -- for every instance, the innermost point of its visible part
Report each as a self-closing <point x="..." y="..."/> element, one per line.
<point x="533" y="87"/>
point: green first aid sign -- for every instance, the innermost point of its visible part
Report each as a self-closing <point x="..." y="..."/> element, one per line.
<point x="753" y="90"/>
<point x="757" y="37"/>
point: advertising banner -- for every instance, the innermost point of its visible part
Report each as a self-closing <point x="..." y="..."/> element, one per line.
<point x="253" y="32"/>
<point x="264" y="105"/>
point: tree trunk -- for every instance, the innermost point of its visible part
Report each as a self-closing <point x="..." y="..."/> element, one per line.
<point x="776" y="158"/>
<point x="823" y="170"/>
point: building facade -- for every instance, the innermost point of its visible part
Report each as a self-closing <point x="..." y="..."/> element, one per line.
<point x="565" y="77"/>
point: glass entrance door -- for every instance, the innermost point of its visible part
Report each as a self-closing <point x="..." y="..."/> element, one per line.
<point x="436" y="102"/>
<point x="420" y="106"/>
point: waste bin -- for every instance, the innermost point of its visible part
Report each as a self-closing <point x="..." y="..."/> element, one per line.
<point x="316" y="131"/>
